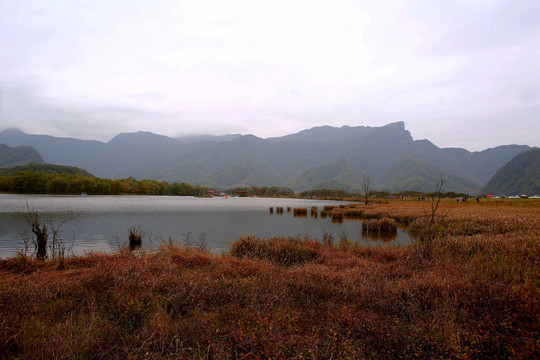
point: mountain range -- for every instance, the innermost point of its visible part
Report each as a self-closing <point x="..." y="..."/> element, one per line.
<point x="321" y="157"/>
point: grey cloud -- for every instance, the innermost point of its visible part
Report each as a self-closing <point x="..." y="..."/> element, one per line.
<point x="502" y="25"/>
<point x="480" y="131"/>
<point x="482" y="60"/>
<point x="200" y="42"/>
<point x="152" y="96"/>
<point x="24" y="107"/>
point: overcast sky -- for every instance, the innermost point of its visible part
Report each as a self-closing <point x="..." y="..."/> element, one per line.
<point x="460" y="73"/>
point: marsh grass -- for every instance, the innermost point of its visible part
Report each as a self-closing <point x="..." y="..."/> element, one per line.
<point x="288" y="298"/>
<point x="385" y="237"/>
<point x="135" y="237"/>
<point x="385" y="225"/>
<point x="354" y="213"/>
<point x="279" y="250"/>
<point x="337" y="220"/>
<point x="300" y="212"/>
<point x="337" y="214"/>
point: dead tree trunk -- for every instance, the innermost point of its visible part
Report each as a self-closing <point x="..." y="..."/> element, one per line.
<point x="41" y="232"/>
<point x="41" y="239"/>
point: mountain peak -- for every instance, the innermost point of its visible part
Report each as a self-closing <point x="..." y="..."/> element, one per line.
<point x="12" y="131"/>
<point x="247" y="139"/>
<point x="398" y="125"/>
<point x="139" y="136"/>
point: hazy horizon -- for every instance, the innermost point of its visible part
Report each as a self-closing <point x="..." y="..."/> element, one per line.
<point x="459" y="74"/>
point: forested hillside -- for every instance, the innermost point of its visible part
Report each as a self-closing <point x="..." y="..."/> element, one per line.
<point x="521" y="175"/>
<point x="19" y="155"/>
<point x="45" y="169"/>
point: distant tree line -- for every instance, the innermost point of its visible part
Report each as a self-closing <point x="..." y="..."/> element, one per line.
<point x="266" y="191"/>
<point x="29" y="182"/>
<point x="33" y="182"/>
<point x="326" y="193"/>
<point x="38" y="182"/>
<point x="341" y="194"/>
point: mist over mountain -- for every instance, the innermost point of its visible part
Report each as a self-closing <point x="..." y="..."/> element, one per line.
<point x="190" y="139"/>
<point x="320" y="157"/>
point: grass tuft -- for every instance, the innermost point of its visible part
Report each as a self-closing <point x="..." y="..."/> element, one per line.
<point x="279" y="250"/>
<point x="135" y="237"/>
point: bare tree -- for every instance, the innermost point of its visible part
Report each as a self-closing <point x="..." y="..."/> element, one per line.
<point x="426" y="239"/>
<point x="365" y="185"/>
<point x="42" y="235"/>
<point x="42" y="228"/>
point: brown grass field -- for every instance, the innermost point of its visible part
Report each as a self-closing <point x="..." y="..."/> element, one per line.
<point x="474" y="295"/>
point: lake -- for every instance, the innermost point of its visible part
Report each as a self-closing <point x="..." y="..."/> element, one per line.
<point x="101" y="223"/>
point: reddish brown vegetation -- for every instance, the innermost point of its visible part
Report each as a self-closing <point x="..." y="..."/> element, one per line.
<point x="379" y="225"/>
<point x="476" y="297"/>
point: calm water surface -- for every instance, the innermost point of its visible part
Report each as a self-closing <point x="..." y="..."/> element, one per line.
<point x="102" y="222"/>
